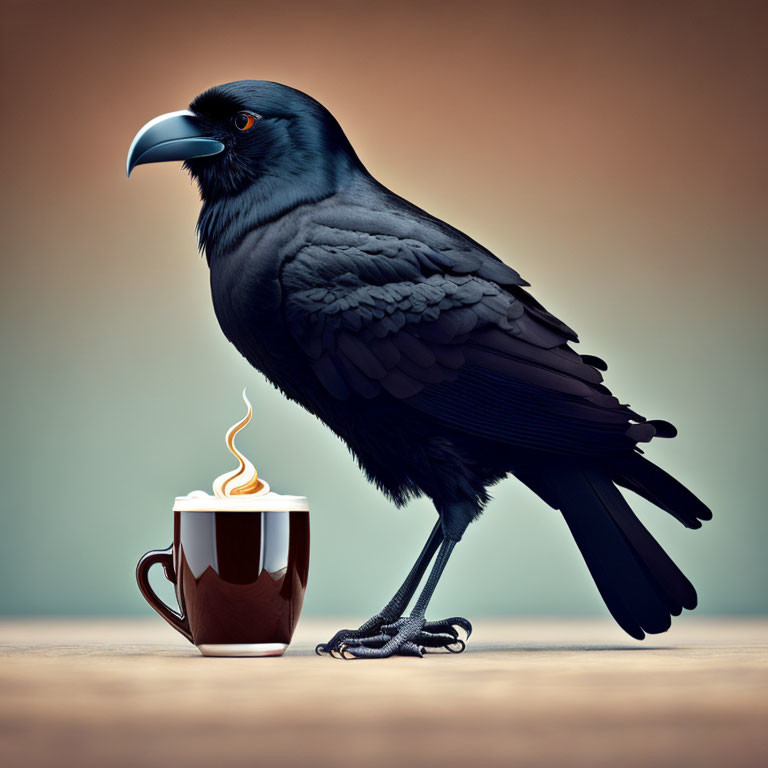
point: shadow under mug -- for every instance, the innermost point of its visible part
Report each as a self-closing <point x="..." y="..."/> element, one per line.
<point x="239" y="567"/>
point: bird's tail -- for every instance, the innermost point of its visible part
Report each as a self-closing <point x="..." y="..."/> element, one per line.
<point x="638" y="581"/>
<point x="636" y="473"/>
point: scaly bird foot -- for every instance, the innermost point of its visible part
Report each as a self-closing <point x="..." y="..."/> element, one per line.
<point x="377" y="631"/>
<point x="370" y="628"/>
<point x="408" y="636"/>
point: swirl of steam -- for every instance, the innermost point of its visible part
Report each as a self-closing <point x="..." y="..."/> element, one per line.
<point x="246" y="470"/>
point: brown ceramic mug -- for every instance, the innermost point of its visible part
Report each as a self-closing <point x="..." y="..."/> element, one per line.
<point x="239" y="566"/>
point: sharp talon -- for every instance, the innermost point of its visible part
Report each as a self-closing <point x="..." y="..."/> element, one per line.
<point x="463" y="624"/>
<point x="466" y="626"/>
<point x="406" y="636"/>
<point x="461" y="643"/>
<point x="451" y="630"/>
<point x="344" y="650"/>
<point x="441" y="628"/>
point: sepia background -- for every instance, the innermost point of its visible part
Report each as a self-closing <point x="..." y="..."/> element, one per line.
<point x="613" y="153"/>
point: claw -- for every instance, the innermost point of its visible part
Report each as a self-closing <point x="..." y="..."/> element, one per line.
<point x="449" y="630"/>
<point x="464" y="624"/>
<point x="406" y="636"/>
<point x="344" y="651"/>
<point x="449" y="625"/>
<point x="462" y="645"/>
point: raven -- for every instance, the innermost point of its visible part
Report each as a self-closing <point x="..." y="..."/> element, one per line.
<point x="420" y="349"/>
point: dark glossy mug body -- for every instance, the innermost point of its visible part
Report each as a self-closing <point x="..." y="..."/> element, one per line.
<point x="240" y="578"/>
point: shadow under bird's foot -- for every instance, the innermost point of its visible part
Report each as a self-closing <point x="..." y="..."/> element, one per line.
<point x="408" y="636"/>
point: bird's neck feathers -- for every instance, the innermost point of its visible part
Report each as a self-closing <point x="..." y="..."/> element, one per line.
<point x="226" y="219"/>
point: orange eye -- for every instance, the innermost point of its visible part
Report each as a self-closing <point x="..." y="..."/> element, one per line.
<point x="245" y="121"/>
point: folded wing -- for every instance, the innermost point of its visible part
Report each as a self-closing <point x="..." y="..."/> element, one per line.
<point x="449" y="330"/>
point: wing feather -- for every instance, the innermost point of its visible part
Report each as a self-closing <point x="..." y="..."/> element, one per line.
<point x="449" y="330"/>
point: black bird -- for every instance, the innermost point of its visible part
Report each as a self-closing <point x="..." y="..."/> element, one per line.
<point x="419" y="348"/>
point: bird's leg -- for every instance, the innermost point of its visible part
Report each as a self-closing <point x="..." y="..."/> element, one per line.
<point x="409" y="636"/>
<point x="413" y="635"/>
<point x="393" y="610"/>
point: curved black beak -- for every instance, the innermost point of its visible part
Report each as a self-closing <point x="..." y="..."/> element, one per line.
<point x="174" y="136"/>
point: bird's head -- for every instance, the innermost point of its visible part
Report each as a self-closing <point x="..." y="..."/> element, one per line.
<point x="238" y="134"/>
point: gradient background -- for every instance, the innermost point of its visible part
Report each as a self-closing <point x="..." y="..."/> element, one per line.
<point x="614" y="153"/>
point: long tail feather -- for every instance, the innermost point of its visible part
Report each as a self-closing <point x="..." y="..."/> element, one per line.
<point x="640" y="584"/>
<point x="637" y="474"/>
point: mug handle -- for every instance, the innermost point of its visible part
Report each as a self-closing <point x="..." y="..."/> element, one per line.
<point x="165" y="558"/>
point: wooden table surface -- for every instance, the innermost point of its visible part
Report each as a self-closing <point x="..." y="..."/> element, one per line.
<point x="525" y="693"/>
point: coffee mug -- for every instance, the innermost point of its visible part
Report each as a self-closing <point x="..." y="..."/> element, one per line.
<point x="239" y="566"/>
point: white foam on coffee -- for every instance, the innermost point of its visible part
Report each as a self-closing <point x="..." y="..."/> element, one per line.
<point x="200" y="501"/>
